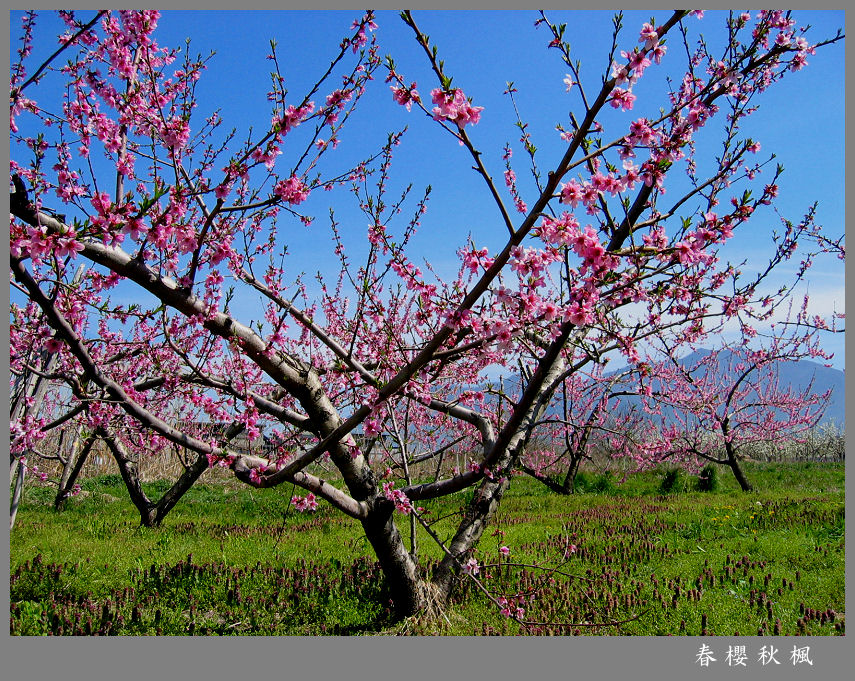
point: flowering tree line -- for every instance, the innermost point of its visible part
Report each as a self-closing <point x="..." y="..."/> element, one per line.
<point x="118" y="183"/>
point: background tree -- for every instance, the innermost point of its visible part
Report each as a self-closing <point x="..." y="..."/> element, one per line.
<point x="602" y="422"/>
<point x="716" y="405"/>
<point x="170" y="207"/>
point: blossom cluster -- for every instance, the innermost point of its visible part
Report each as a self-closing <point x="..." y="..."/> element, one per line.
<point x="406" y="96"/>
<point x="292" y="190"/>
<point x="511" y="182"/>
<point x="513" y="606"/>
<point x="588" y="192"/>
<point x="303" y="504"/>
<point x="402" y="503"/>
<point x="366" y="23"/>
<point x="471" y="567"/>
<point x="628" y="72"/>
<point x="453" y="105"/>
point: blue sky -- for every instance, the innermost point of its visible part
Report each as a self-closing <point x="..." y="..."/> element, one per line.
<point x="801" y="120"/>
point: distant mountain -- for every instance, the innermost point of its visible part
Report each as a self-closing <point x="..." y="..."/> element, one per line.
<point x="798" y="375"/>
<point x="824" y="378"/>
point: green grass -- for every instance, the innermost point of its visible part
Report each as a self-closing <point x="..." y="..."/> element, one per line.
<point x="229" y="560"/>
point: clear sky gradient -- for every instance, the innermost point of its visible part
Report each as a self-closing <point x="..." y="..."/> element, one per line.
<point x="801" y="120"/>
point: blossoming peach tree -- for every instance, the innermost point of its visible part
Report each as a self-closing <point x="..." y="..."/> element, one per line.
<point x="714" y="406"/>
<point x="118" y="171"/>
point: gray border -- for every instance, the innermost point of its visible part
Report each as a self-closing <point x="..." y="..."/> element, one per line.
<point x="429" y="658"/>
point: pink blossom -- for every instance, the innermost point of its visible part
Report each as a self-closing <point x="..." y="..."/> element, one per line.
<point x="125" y="165"/>
<point x="571" y="193"/>
<point x="399" y="498"/>
<point x="658" y="52"/>
<point x="221" y="191"/>
<point x="338" y="98"/>
<point x="371" y="427"/>
<point x="622" y="99"/>
<point x="135" y="228"/>
<point x="688" y="252"/>
<point x="67" y="246"/>
<point x="580" y="314"/>
<point x="292" y="190"/>
<point x="53" y="345"/>
<point x="620" y="73"/>
<point x="649" y="35"/>
<point x="783" y="38"/>
<point x="471" y="567"/>
<point x="19" y="104"/>
<point x="637" y="62"/>
<point x="361" y="38"/>
<point x="303" y="504"/>
<point x="37" y="244"/>
<point x="406" y="96"/>
<point x="640" y="132"/>
<point x="292" y="117"/>
<point x="268" y="156"/>
<point x="474" y="259"/>
<point x="455" y="107"/>
<point x="175" y="133"/>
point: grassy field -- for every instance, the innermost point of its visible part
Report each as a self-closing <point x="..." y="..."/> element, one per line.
<point x="230" y="560"/>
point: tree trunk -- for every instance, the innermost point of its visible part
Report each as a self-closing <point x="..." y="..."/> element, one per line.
<point x="733" y="460"/>
<point x="409" y="593"/>
<point x="152" y="513"/>
<point x="407" y="589"/>
<point x="187" y="479"/>
<point x="478" y="515"/>
<point x="28" y="393"/>
<point x="569" y="485"/>
<point x="16" y="495"/>
<point x="740" y="476"/>
<point x="71" y="471"/>
<point x="488" y="496"/>
<point x="549" y="482"/>
<point x="131" y="478"/>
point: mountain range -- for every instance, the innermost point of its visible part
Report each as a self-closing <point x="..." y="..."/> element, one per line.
<point x="798" y="375"/>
